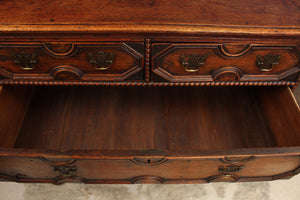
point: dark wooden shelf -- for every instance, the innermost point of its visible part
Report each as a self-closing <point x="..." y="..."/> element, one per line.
<point x="166" y="118"/>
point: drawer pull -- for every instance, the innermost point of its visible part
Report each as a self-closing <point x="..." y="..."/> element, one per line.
<point x="192" y="62"/>
<point x="230" y="169"/>
<point x="266" y="63"/>
<point x="65" y="170"/>
<point x="101" y="59"/>
<point x="27" y="61"/>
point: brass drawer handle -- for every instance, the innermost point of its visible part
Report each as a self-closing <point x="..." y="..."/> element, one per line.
<point x="266" y="63"/>
<point x="27" y="61"/>
<point x="192" y="62"/>
<point x="65" y="170"/>
<point x="230" y="169"/>
<point x="101" y="59"/>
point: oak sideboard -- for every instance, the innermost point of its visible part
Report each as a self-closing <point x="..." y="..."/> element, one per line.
<point x="152" y="91"/>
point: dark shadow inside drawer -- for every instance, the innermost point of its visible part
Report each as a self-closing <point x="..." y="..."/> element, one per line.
<point x="139" y="118"/>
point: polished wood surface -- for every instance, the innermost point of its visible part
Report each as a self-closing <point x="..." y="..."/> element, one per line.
<point x="269" y="17"/>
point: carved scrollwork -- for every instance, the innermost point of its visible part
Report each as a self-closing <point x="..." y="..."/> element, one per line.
<point x="65" y="170"/>
<point x="266" y="63"/>
<point x="27" y="61"/>
<point x="192" y="62"/>
<point x="230" y="169"/>
<point x="101" y="59"/>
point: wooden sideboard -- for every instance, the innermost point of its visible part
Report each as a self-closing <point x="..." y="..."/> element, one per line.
<point x="152" y="91"/>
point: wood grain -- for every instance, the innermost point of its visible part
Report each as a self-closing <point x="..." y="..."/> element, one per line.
<point x="13" y="106"/>
<point x="177" y="118"/>
<point x="264" y="17"/>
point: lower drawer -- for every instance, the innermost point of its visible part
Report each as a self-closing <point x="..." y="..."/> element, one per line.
<point x="148" y="169"/>
<point x="148" y="135"/>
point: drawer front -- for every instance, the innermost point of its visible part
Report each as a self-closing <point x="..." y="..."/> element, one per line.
<point x="76" y="62"/>
<point x="147" y="169"/>
<point x="15" y="168"/>
<point x="217" y="62"/>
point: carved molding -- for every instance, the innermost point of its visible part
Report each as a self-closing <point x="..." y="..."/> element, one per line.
<point x="239" y="49"/>
<point x="58" y="161"/>
<point x="5" y="74"/>
<point x="223" y="178"/>
<point x="75" y="72"/>
<point x="134" y="83"/>
<point x="147" y="59"/>
<point x="235" y="160"/>
<point x="227" y="74"/>
<point x="70" y="179"/>
<point x="150" y="179"/>
<point x="52" y="48"/>
<point x="147" y="179"/>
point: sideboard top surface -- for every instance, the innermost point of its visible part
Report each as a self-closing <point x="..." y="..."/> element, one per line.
<point x="271" y="17"/>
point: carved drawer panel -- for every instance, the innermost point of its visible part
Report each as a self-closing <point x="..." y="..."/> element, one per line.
<point x="14" y="168"/>
<point x="70" y="61"/>
<point x="186" y="169"/>
<point x="231" y="62"/>
<point x="147" y="169"/>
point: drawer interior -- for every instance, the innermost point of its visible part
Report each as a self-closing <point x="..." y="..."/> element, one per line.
<point x="139" y="118"/>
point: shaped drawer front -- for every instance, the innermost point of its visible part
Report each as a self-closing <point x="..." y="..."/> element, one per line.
<point x="216" y="62"/>
<point x="147" y="169"/>
<point x="71" y="61"/>
<point x="24" y="168"/>
<point x="188" y="170"/>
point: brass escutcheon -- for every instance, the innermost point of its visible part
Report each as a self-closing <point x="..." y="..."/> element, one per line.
<point x="266" y="63"/>
<point x="101" y="59"/>
<point x="192" y="62"/>
<point x="27" y="61"/>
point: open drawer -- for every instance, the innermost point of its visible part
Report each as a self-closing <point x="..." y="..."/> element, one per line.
<point x="148" y="134"/>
